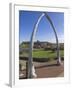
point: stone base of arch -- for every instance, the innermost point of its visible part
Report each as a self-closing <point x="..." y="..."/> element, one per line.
<point x="59" y="62"/>
<point x="34" y="75"/>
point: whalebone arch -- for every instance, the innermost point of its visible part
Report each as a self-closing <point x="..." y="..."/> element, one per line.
<point x="31" y="69"/>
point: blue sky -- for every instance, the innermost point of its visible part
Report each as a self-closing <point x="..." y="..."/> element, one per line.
<point x="27" y="19"/>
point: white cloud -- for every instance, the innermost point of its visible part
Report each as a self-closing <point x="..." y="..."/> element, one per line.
<point x="60" y="38"/>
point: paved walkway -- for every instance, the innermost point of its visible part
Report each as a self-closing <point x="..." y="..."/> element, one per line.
<point x="50" y="71"/>
<point x="47" y="70"/>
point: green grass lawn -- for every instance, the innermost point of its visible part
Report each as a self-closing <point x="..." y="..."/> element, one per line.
<point x="40" y="53"/>
<point x="46" y="54"/>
